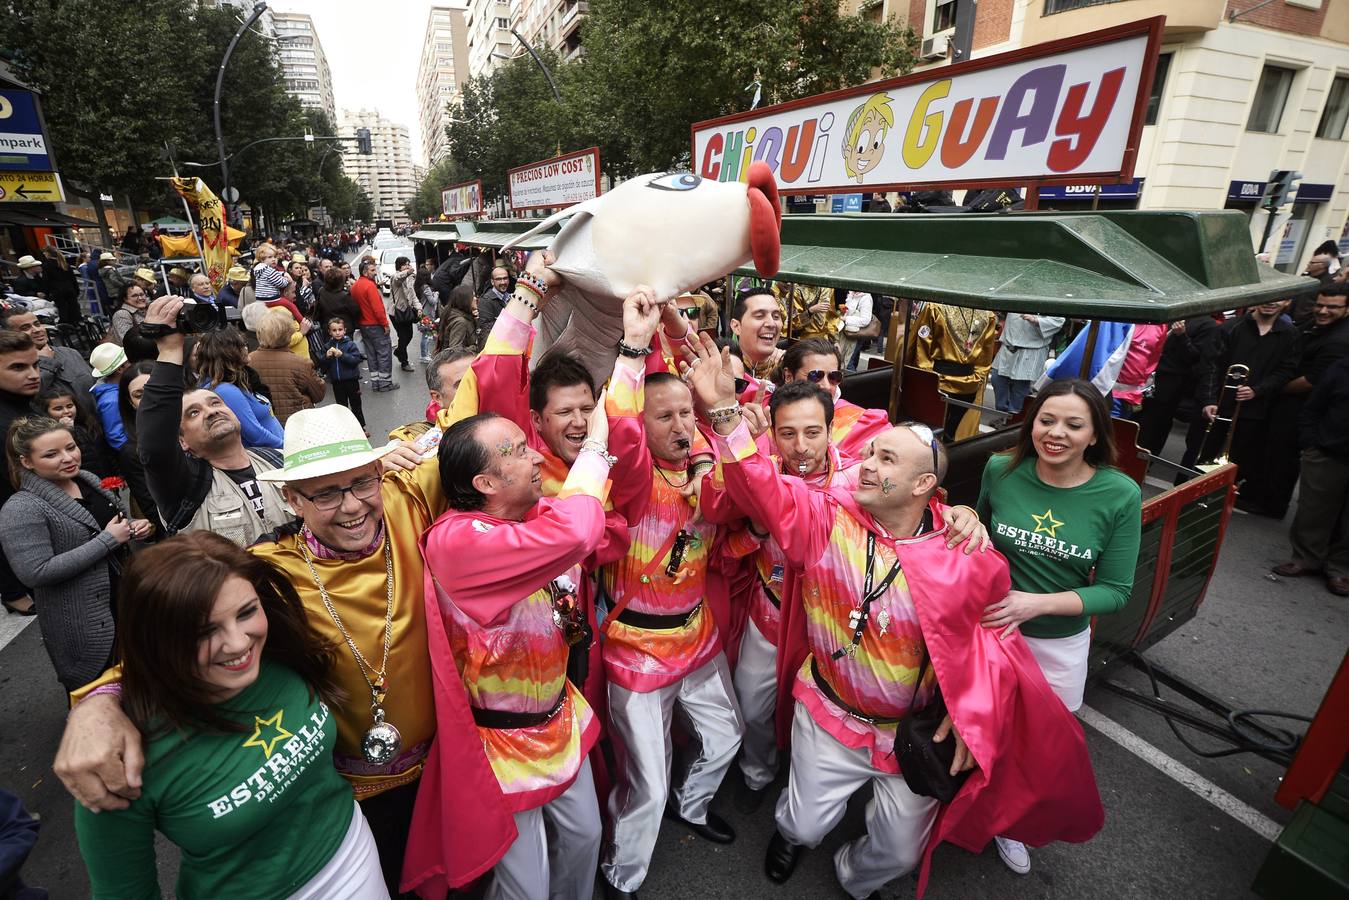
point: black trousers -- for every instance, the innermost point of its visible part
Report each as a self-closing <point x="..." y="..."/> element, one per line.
<point x="954" y="414"/>
<point x="390" y="818"/>
<point x="1159" y="411"/>
<point x="348" y="393"/>
<point x="404" y="332"/>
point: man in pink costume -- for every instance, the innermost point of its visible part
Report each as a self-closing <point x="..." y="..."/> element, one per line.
<point x="879" y="592"/>
<point x="502" y="570"/>
<point x="661" y="644"/>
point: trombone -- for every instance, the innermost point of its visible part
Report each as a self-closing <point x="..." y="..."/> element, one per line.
<point x="1236" y="377"/>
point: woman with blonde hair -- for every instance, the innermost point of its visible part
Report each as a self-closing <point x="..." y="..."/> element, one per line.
<point x="65" y="538"/>
<point x="282" y="362"/>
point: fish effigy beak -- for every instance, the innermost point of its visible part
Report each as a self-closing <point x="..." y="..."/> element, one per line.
<point x="765" y="219"/>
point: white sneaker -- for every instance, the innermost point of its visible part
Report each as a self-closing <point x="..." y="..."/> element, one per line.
<point x="1014" y="854"/>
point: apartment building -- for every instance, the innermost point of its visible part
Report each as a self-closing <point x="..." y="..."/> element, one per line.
<point x="555" y="24"/>
<point x="1241" y="89"/>
<point x="440" y="76"/>
<point x="488" y="24"/>
<point x="303" y="62"/>
<point x="387" y="175"/>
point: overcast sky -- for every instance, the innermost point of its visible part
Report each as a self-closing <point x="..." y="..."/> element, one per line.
<point x="373" y="50"/>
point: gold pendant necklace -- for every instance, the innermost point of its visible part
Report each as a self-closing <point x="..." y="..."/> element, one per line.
<point x="381" y="742"/>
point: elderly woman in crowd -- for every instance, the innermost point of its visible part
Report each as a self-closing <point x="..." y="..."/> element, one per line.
<point x="287" y="372"/>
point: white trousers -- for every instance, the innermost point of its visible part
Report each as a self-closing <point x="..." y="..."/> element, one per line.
<point x="641" y="722"/>
<point x="353" y="873"/>
<point x="555" y="853"/>
<point x="756" y="690"/>
<point x="1064" y="664"/>
<point x="824" y="774"/>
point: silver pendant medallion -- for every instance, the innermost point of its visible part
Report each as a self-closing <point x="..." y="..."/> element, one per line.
<point x="382" y="742"/>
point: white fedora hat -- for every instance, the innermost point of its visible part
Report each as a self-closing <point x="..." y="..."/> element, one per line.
<point x="27" y="262"/>
<point x="323" y="441"/>
<point x="106" y="359"/>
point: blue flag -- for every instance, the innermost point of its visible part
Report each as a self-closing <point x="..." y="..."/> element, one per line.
<point x="1112" y="345"/>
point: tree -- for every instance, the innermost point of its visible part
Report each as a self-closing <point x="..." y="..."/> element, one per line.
<point x="652" y="69"/>
<point x="507" y="119"/>
<point x="425" y="204"/>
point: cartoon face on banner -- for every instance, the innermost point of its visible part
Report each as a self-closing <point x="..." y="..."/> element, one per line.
<point x="1065" y="109"/>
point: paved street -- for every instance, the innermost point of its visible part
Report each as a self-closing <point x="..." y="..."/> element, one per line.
<point x="1258" y="642"/>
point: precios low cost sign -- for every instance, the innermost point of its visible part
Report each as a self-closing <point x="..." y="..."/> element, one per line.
<point x="557" y="182"/>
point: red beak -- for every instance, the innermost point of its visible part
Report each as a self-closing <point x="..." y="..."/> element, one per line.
<point x="765" y="220"/>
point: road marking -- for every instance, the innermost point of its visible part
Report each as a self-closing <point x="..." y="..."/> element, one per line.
<point x="11" y="625"/>
<point x="1197" y="784"/>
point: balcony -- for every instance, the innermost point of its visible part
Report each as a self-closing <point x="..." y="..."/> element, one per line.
<point x="572" y="14"/>
<point x="1065" y="18"/>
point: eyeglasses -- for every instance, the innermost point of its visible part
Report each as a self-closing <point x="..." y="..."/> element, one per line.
<point x="689" y="312"/>
<point x="925" y="435"/>
<point x="818" y="375"/>
<point x="741" y="385"/>
<point x="331" y="498"/>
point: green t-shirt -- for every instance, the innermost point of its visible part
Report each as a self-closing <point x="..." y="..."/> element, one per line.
<point x="1082" y="539"/>
<point x="256" y="813"/>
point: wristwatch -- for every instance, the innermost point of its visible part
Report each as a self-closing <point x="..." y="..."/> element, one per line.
<point x="632" y="352"/>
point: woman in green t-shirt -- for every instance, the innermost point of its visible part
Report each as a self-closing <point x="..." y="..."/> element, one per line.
<point x="1069" y="524"/>
<point x="230" y="685"/>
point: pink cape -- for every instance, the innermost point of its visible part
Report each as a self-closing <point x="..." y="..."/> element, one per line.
<point x="460" y="824"/>
<point x="1034" y="782"/>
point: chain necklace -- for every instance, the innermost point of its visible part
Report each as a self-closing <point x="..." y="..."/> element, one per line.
<point x="381" y="742"/>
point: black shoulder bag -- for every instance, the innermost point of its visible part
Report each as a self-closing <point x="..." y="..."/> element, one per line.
<point x="924" y="763"/>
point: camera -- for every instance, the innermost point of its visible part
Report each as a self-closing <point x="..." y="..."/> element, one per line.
<point x="193" y="318"/>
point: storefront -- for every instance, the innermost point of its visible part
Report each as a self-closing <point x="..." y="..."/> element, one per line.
<point x="1076" y="197"/>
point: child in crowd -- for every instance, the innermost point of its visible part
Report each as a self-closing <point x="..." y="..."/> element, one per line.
<point x="342" y="362"/>
<point x="59" y="404"/>
<point x="109" y="362"/>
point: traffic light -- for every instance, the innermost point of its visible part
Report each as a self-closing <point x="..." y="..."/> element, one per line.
<point x="1282" y="183"/>
<point x="363" y="141"/>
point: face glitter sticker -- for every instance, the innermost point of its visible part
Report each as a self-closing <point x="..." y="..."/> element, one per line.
<point x="887" y="485"/>
<point x="505" y="448"/>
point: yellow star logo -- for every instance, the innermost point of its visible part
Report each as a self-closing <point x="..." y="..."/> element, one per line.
<point x="1046" y="524"/>
<point x="276" y="733"/>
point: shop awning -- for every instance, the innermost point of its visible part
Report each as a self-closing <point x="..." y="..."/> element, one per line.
<point x="1128" y="265"/>
<point x="28" y="217"/>
<point x="498" y="232"/>
<point x="429" y="235"/>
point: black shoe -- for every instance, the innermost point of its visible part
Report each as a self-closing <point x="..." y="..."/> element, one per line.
<point x="18" y="607"/>
<point x="747" y="800"/>
<point x="780" y="861"/>
<point x="715" y="829"/>
<point x="613" y="893"/>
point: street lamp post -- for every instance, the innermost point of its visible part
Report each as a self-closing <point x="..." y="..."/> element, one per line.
<point x="557" y="95"/>
<point x="258" y="10"/>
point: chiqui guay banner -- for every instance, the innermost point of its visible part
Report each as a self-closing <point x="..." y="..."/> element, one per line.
<point x="462" y="199"/>
<point x="557" y="182"/>
<point x="1064" y="112"/>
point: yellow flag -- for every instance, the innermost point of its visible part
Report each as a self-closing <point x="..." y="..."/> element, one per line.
<point x="211" y="221"/>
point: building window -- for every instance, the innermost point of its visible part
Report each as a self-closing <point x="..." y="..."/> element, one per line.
<point x="1270" y="96"/>
<point x="1337" y="110"/>
<point x="1058" y="6"/>
<point x="943" y="16"/>
<point x="1158" y="88"/>
<point x="503" y="23"/>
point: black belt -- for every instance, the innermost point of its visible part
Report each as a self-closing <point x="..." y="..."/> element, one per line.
<point x="504" y="719"/>
<point x="834" y="698"/>
<point x="772" y="595"/>
<point x="946" y="367"/>
<point x="654" y="622"/>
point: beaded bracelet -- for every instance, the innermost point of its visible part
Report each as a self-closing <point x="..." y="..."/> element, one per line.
<point x="537" y="283"/>
<point x="724" y="414"/>
<point x="534" y="307"/>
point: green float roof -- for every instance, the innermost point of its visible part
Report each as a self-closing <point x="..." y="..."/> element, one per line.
<point x="1133" y="265"/>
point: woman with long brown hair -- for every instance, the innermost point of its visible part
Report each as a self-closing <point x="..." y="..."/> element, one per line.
<point x="220" y="360"/>
<point x="231" y="687"/>
<point x="1069" y="524"/>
